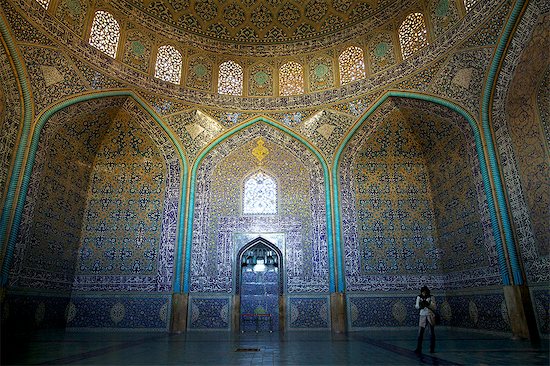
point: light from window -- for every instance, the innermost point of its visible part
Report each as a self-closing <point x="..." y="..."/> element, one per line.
<point x="260" y="195"/>
<point x="44" y="3"/>
<point x="352" y="66"/>
<point x="105" y="33"/>
<point x="469" y="4"/>
<point x="291" y="79"/>
<point x="168" y="66"/>
<point x="230" y="80"/>
<point x="413" y="34"/>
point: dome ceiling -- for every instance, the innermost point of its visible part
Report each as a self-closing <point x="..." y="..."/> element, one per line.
<point x="267" y="22"/>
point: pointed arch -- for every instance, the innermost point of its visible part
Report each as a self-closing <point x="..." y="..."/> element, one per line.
<point x="413" y="34"/>
<point x="192" y="188"/>
<point x="105" y="33"/>
<point x="168" y="64"/>
<point x="291" y="78"/>
<point x="260" y="194"/>
<point x="505" y="276"/>
<point x="39" y="125"/>
<point x="351" y="63"/>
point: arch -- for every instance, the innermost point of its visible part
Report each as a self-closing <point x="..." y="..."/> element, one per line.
<point x="105" y="33"/>
<point x="41" y="121"/>
<point x="44" y="3"/>
<point x="486" y="108"/>
<point x="252" y="243"/>
<point x="192" y="187"/>
<point x="168" y="64"/>
<point x="483" y="167"/>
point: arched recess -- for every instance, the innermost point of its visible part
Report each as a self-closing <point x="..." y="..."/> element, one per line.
<point x="445" y="105"/>
<point x="247" y="134"/>
<point x="269" y="278"/>
<point x="178" y="165"/>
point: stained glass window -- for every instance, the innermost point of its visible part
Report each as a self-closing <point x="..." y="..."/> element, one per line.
<point x="413" y="34"/>
<point x="469" y="4"/>
<point x="44" y="3"/>
<point x="230" y="80"/>
<point x="291" y="79"/>
<point x="168" y="66"/>
<point x="352" y="66"/>
<point x="260" y="194"/>
<point x="105" y="33"/>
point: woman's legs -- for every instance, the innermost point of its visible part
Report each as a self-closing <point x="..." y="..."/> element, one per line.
<point x="432" y="338"/>
<point x="419" y="340"/>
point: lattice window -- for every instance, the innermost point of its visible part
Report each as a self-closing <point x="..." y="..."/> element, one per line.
<point x="413" y="34"/>
<point x="291" y="79"/>
<point x="469" y="4"/>
<point x="105" y="33"/>
<point x="44" y="3"/>
<point x="230" y="80"/>
<point x="168" y="66"/>
<point x="260" y="194"/>
<point x="352" y="66"/>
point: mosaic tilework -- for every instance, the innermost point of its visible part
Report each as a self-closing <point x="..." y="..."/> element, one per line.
<point x="326" y="128"/>
<point x="444" y="13"/>
<point x="423" y="79"/>
<point x="195" y="130"/>
<point x="460" y="224"/>
<point x="52" y="75"/>
<point x="228" y="118"/>
<point x="97" y="80"/>
<point x="10" y="119"/>
<point x="137" y="49"/>
<point x="118" y="312"/>
<point x="260" y="294"/>
<point x="381" y="52"/>
<point x="49" y="234"/>
<point x="199" y="73"/>
<point x="164" y="106"/>
<point x="462" y="78"/>
<point x="22" y="29"/>
<point x="308" y="313"/>
<point x="523" y="46"/>
<point x="261" y="80"/>
<point x="321" y="73"/>
<point x="130" y="222"/>
<point x="72" y="14"/>
<point x="474" y="311"/>
<point x="209" y="312"/>
<point x="489" y="33"/>
<point x="541" y="300"/>
<point x="301" y="211"/>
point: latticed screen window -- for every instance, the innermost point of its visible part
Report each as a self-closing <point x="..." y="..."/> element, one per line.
<point x="291" y="79"/>
<point x="260" y="195"/>
<point x="44" y="3"/>
<point x="352" y="66"/>
<point x="105" y="33"/>
<point x="168" y="65"/>
<point x="469" y="4"/>
<point x="230" y="80"/>
<point x="413" y="34"/>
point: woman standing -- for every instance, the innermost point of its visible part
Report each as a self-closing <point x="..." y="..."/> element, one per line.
<point x="425" y="302"/>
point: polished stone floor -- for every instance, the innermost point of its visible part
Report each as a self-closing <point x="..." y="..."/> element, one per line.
<point x="373" y="347"/>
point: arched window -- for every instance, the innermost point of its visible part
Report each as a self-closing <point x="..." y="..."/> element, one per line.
<point x="105" y="33"/>
<point x="230" y="80"/>
<point x="44" y="3"/>
<point x="291" y="79"/>
<point x="352" y="66"/>
<point x="168" y="65"/>
<point x="260" y="194"/>
<point x="413" y="34"/>
<point x="469" y="4"/>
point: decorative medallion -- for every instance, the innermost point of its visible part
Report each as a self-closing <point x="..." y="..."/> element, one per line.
<point x="260" y="151"/>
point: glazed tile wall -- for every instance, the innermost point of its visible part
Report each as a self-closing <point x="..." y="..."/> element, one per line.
<point x="308" y="312"/>
<point x="209" y="312"/>
<point x="390" y="242"/>
<point x="524" y="63"/>
<point x="472" y="310"/>
<point x="119" y="311"/>
<point x="218" y="217"/>
<point x="49" y="234"/>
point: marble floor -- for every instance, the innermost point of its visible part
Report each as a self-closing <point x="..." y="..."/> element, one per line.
<point x="372" y="347"/>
